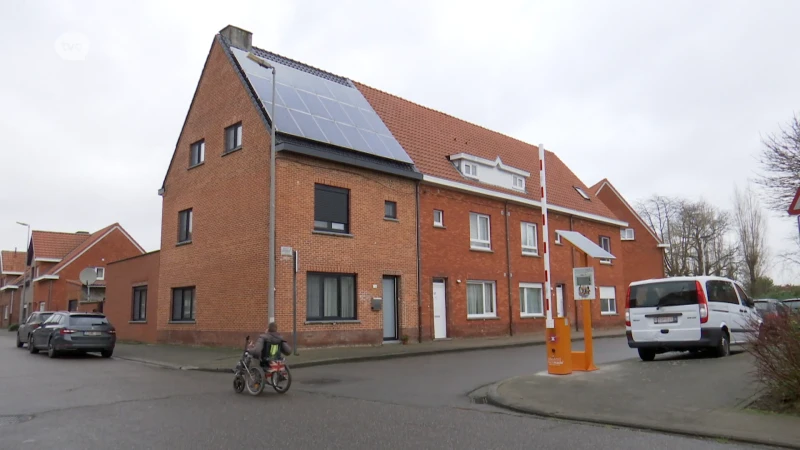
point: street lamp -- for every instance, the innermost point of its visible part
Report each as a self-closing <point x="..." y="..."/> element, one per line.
<point x="22" y="296"/>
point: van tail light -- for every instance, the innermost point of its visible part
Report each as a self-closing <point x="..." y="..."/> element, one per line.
<point x="628" y="308"/>
<point x="703" y="302"/>
<point x="66" y="331"/>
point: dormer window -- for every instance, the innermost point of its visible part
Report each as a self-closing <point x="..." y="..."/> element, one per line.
<point x="469" y="170"/>
<point x="582" y="194"/>
<point x="519" y="183"/>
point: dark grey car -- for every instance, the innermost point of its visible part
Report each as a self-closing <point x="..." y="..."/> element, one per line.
<point x="74" y="332"/>
<point x="33" y="322"/>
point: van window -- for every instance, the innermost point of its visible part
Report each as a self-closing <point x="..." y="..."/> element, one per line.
<point x="721" y="291"/>
<point x="668" y="293"/>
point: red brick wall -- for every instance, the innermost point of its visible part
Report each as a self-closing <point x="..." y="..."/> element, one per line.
<point x="6" y="300"/>
<point x="446" y="254"/>
<point x="643" y="258"/>
<point x="121" y="278"/>
<point x="227" y="259"/>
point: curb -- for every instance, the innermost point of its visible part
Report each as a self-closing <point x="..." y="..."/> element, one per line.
<point x="494" y="398"/>
<point x="353" y="359"/>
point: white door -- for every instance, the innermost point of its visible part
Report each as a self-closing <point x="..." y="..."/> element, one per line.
<point x="560" y="300"/>
<point x="439" y="311"/>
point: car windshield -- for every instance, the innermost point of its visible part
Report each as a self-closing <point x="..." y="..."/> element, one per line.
<point x="765" y="306"/>
<point x="668" y="293"/>
<point x="44" y="316"/>
<point x="87" y="320"/>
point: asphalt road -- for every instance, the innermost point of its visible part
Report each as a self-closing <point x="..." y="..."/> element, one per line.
<point x="419" y="403"/>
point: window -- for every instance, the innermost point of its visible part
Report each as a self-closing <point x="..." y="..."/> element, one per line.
<point x="626" y="234"/>
<point x="183" y="304"/>
<point x="668" y="293"/>
<point x="438" y="218"/>
<point x="479" y="233"/>
<point x="233" y="137"/>
<point x="519" y="183"/>
<point x="72" y="305"/>
<point x="185" y="226"/>
<point x="469" y="169"/>
<point x="743" y="297"/>
<point x="480" y="299"/>
<point x="197" y="155"/>
<point x="721" y="291"/>
<point x="101" y="273"/>
<point x="140" y="304"/>
<point x="390" y="210"/>
<point x="605" y="243"/>
<point x="331" y="296"/>
<point x="87" y="320"/>
<point x="582" y="193"/>
<point x="530" y="239"/>
<point x="41" y="306"/>
<point x="531" y="300"/>
<point x="558" y="239"/>
<point x="331" y="209"/>
<point x="608" y="300"/>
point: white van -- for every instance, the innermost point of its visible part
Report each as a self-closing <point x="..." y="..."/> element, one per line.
<point x="687" y="314"/>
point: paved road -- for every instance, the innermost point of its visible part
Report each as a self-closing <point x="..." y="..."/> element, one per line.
<point x="420" y="403"/>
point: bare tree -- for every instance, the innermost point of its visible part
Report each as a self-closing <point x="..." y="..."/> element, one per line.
<point x="751" y="229"/>
<point x="780" y="161"/>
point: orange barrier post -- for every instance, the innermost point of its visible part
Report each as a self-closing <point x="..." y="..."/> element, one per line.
<point x="559" y="348"/>
<point x="584" y="361"/>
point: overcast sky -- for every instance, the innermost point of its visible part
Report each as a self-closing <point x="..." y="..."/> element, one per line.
<point x="660" y="97"/>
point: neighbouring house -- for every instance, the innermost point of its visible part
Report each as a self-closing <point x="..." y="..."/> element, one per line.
<point x="12" y="265"/>
<point x="130" y="284"/>
<point x="55" y="260"/>
<point x="642" y="249"/>
<point x="406" y="221"/>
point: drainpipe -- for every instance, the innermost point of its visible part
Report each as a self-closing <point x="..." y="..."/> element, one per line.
<point x="508" y="277"/>
<point x="419" y="270"/>
<point x="572" y="252"/>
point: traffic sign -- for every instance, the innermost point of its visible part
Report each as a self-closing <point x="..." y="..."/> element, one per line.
<point x="794" y="208"/>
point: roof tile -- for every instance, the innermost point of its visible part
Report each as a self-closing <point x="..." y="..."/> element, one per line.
<point x="52" y="244"/>
<point x="12" y="261"/>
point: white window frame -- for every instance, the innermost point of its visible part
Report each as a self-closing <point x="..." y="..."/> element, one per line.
<point x="582" y="193"/>
<point x="608" y="300"/>
<point x="440" y="221"/>
<point x="522" y="300"/>
<point x="483" y="285"/>
<point x="627" y="234"/>
<point x="41" y="306"/>
<point x="469" y="169"/>
<point x="101" y="273"/>
<point x="532" y="250"/>
<point x="518" y="183"/>
<point x="478" y="243"/>
<point x="558" y="239"/>
<point x="198" y="148"/>
<point x="605" y="261"/>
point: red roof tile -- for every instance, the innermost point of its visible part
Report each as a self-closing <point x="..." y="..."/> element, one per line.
<point x="51" y="244"/>
<point x="91" y="239"/>
<point x="12" y="261"/>
<point x="430" y="137"/>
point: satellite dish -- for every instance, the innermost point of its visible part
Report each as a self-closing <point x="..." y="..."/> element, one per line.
<point x="88" y="275"/>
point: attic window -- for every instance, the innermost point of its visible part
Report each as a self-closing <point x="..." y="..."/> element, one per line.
<point x="583" y="194"/>
<point x="469" y="169"/>
<point x="519" y="183"/>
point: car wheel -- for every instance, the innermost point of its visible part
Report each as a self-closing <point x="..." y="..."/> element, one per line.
<point x="106" y="353"/>
<point x="32" y="348"/>
<point x="51" y="350"/>
<point x="647" y="355"/>
<point x="19" y="343"/>
<point x="724" y="347"/>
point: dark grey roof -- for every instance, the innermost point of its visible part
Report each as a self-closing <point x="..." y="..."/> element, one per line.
<point x="300" y="66"/>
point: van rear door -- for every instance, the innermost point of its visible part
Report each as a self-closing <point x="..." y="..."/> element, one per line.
<point x="665" y="311"/>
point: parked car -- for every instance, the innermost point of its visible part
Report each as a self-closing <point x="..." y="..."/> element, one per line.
<point x="687" y="314"/>
<point x="74" y="331"/>
<point x="33" y="322"/>
<point x="793" y="304"/>
<point x="768" y="307"/>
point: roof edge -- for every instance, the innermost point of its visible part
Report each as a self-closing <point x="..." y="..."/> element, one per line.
<point x="605" y="182"/>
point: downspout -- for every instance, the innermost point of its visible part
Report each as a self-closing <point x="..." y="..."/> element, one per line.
<point x="419" y="269"/>
<point x="572" y="252"/>
<point x="508" y="277"/>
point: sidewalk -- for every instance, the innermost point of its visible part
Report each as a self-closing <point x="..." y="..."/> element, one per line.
<point x="696" y="396"/>
<point x="215" y="359"/>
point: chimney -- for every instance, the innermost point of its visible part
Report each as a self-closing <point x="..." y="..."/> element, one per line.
<point x="237" y="37"/>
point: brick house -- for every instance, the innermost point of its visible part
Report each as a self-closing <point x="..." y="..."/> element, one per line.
<point x="480" y="227"/>
<point x="54" y="263"/>
<point x="12" y="265"/>
<point x="642" y="250"/>
<point x="130" y="282"/>
<point x="336" y="205"/>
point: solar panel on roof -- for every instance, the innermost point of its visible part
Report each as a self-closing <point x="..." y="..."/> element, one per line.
<point x="321" y="110"/>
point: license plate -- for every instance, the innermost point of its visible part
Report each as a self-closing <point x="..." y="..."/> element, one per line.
<point x="92" y="333"/>
<point x="666" y="319"/>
